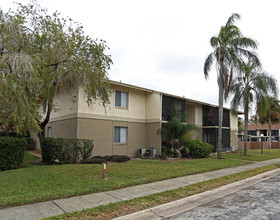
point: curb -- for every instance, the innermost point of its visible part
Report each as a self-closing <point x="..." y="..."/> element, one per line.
<point x="185" y="204"/>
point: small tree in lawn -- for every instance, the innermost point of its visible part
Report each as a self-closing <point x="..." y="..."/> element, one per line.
<point x="269" y="112"/>
<point x="250" y="87"/>
<point x="41" y="54"/>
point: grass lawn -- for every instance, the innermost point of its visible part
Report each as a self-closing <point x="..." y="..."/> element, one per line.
<point x="253" y="155"/>
<point x="28" y="158"/>
<point x="122" y="208"/>
<point x="40" y="183"/>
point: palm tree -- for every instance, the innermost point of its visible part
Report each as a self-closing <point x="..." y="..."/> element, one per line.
<point x="269" y="112"/>
<point x="251" y="86"/>
<point x="229" y="49"/>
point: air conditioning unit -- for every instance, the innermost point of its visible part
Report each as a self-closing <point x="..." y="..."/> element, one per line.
<point x="141" y="152"/>
<point x="151" y="152"/>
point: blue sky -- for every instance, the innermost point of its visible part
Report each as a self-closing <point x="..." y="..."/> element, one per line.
<point x="162" y="44"/>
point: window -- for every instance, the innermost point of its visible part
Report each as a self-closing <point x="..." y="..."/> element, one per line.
<point x="120" y="135"/>
<point x="49" y="132"/>
<point x="211" y="116"/>
<point x="172" y="106"/>
<point x="121" y="99"/>
<point x="210" y="136"/>
<point x="253" y="133"/>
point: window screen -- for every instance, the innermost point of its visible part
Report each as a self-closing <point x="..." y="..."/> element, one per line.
<point x="121" y="99"/>
<point x="120" y="135"/>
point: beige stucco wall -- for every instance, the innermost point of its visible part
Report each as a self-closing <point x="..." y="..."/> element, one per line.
<point x="63" y="128"/>
<point x="197" y="134"/>
<point x="152" y="138"/>
<point x="65" y="104"/>
<point x="194" y="113"/>
<point x="233" y="121"/>
<point x="190" y="109"/>
<point x="136" y="105"/>
<point x="234" y="139"/>
<point x="100" y="131"/>
<point x="136" y="137"/>
<point x="198" y="115"/>
<point x="153" y="107"/>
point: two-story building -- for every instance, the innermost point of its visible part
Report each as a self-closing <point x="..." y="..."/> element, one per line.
<point x="132" y="119"/>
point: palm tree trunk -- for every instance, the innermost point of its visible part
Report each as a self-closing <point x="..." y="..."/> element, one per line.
<point x="245" y="130"/>
<point x="220" y="123"/>
<point x="269" y="130"/>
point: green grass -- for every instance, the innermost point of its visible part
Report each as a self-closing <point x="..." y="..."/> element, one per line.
<point x="253" y="155"/>
<point x="40" y="183"/>
<point x="122" y="208"/>
<point x="29" y="158"/>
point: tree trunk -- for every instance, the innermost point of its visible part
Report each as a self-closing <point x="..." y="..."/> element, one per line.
<point x="269" y="130"/>
<point x="43" y="124"/>
<point x="220" y="123"/>
<point x="245" y="130"/>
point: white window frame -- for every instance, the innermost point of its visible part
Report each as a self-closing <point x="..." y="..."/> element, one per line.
<point x="122" y="136"/>
<point x="49" y="131"/>
<point x="123" y="99"/>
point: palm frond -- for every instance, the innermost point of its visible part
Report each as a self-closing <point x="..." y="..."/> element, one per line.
<point x="232" y="18"/>
<point x="207" y="65"/>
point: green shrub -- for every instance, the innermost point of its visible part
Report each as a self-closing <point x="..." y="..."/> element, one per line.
<point x="94" y="160"/>
<point x="169" y="152"/>
<point x="65" y="151"/>
<point x="11" y="152"/>
<point x="198" y="149"/>
<point x="185" y="151"/>
<point x="105" y="159"/>
<point x="30" y="144"/>
<point x="117" y="158"/>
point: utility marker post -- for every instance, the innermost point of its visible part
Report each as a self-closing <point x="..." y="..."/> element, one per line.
<point x="104" y="168"/>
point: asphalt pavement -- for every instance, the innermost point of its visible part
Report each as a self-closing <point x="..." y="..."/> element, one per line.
<point x="254" y="198"/>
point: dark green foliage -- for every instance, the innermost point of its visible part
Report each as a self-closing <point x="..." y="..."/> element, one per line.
<point x="105" y="159"/>
<point x="175" y="129"/>
<point x="66" y="151"/>
<point x="117" y="158"/>
<point x="198" y="149"/>
<point x="30" y="144"/>
<point x="95" y="160"/>
<point x="11" y="152"/>
<point x="169" y="152"/>
<point x="185" y="152"/>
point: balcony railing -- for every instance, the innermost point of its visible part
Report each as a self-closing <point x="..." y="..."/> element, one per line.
<point x="258" y="138"/>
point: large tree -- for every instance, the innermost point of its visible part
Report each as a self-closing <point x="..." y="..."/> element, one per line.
<point x="249" y="88"/>
<point x="230" y="48"/>
<point x="269" y="112"/>
<point x="41" y="54"/>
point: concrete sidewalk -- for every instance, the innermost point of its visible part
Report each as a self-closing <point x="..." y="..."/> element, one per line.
<point x="61" y="206"/>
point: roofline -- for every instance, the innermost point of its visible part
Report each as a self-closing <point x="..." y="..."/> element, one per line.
<point x="131" y="86"/>
<point x="167" y="94"/>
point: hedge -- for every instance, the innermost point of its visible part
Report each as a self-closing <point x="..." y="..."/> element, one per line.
<point x="65" y="151"/>
<point x="11" y="152"/>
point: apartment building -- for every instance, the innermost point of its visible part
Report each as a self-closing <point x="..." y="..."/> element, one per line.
<point x="132" y="119"/>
